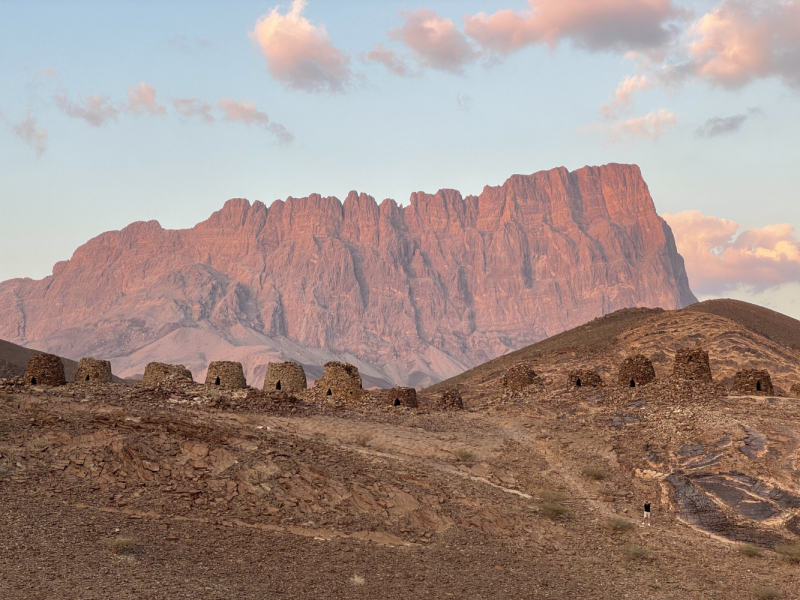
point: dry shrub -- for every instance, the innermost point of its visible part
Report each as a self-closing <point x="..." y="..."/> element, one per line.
<point x="594" y="473"/>
<point x="634" y="552"/>
<point x="120" y="545"/>
<point x="363" y="440"/>
<point x="7" y="397"/>
<point x="553" y="510"/>
<point x="465" y="456"/>
<point x="766" y="593"/>
<point x="790" y="552"/>
<point x="750" y="550"/>
<point x="5" y="428"/>
<point x="357" y="580"/>
<point x="618" y="525"/>
<point x="552" y="496"/>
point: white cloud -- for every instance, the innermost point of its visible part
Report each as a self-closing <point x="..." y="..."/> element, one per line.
<point x="300" y="55"/>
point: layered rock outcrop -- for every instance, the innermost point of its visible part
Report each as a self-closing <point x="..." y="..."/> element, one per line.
<point x="409" y="294"/>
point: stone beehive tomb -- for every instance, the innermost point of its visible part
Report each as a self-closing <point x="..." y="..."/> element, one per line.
<point x="91" y="370"/>
<point x="45" y="369"/>
<point x="636" y="371"/>
<point x="403" y="396"/>
<point x="692" y="364"/>
<point x="451" y="400"/>
<point x="753" y="382"/>
<point x="795" y="390"/>
<point x="584" y="379"/>
<point x="226" y="374"/>
<point x="519" y="376"/>
<point x="339" y="381"/>
<point x="156" y="373"/>
<point x="286" y="377"/>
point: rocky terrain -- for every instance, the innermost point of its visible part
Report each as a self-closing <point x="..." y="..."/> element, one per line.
<point x="409" y="294"/>
<point x="530" y="492"/>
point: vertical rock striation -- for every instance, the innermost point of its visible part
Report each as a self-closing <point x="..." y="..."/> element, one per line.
<point x="410" y="294"/>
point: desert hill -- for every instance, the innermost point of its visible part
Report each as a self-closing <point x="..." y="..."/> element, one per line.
<point x="531" y="492"/>
<point x="409" y="294"/>
<point x="14" y="359"/>
<point x="736" y="334"/>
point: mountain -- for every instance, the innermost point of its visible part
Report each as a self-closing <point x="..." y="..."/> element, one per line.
<point x="409" y="294"/>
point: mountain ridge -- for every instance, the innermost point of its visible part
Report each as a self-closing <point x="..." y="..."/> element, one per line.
<point x="410" y="294"/>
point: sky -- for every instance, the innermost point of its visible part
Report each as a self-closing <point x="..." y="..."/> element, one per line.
<point x="113" y="112"/>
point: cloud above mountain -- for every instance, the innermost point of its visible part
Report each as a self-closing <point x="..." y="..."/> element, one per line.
<point x="719" y="257"/>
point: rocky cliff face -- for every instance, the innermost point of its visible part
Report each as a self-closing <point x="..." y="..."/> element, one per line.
<point x="410" y="294"/>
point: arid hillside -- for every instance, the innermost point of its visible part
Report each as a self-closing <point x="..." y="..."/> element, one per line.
<point x="410" y="294"/>
<point x="534" y="490"/>
<point x="735" y="334"/>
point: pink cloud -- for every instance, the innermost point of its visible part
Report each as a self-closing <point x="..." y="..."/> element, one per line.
<point x="247" y="113"/>
<point x="35" y="137"/>
<point x="95" y="109"/>
<point x="393" y="62"/>
<point x="740" y="41"/>
<point x="299" y="54"/>
<point x="435" y="42"/>
<point x="623" y="96"/>
<point x="652" y="125"/>
<point x="717" y="259"/>
<point x="142" y="98"/>
<point x="598" y="25"/>
<point x="192" y="107"/>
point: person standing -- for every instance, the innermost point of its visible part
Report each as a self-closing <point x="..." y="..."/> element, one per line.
<point x="646" y="513"/>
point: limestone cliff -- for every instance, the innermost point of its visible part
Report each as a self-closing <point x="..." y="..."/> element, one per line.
<point x="411" y="294"/>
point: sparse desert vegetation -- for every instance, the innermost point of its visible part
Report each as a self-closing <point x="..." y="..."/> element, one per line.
<point x="595" y="473"/>
<point x="632" y="552"/>
<point x="750" y="550"/>
<point x="465" y="456"/>
<point x="766" y="593"/>
<point x="619" y="525"/>
<point x="789" y="552"/>
<point x="363" y="440"/>
<point x="120" y="544"/>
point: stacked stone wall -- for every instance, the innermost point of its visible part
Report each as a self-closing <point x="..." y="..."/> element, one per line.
<point x="636" y="371"/>
<point x="340" y="382"/>
<point x="403" y="396"/>
<point x="91" y="370"/>
<point x="156" y="373"/>
<point x="795" y="390"/>
<point x="225" y="374"/>
<point x="45" y="369"/>
<point x="692" y="364"/>
<point x="584" y="379"/>
<point x="519" y="377"/>
<point x="450" y="400"/>
<point x="752" y="382"/>
<point x="288" y="377"/>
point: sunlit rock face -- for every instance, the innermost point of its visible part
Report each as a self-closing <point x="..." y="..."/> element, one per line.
<point x="409" y="294"/>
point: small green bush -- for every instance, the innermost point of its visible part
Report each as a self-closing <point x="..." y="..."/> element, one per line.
<point x="634" y="552"/>
<point x="790" y="552"/>
<point x="618" y="525"/>
<point x="750" y="550"/>
<point x="594" y="473"/>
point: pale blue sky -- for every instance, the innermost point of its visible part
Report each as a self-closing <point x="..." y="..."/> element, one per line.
<point x="534" y="109"/>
